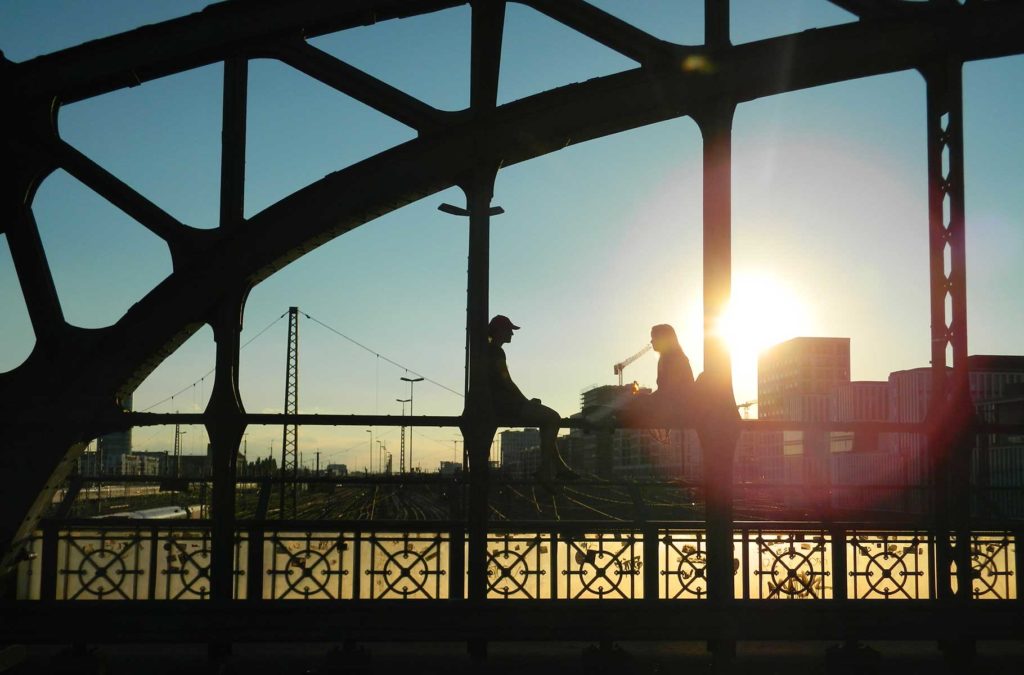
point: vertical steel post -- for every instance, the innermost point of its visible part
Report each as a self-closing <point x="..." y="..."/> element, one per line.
<point x="224" y="416"/>
<point x="225" y="425"/>
<point x="950" y="409"/>
<point x="1018" y="545"/>
<point x="716" y="127"/>
<point x="838" y="534"/>
<point x="232" y="166"/>
<point x="716" y="23"/>
<point x="651" y="543"/>
<point x="48" y="568"/>
<point x="478" y="424"/>
<point x="719" y="426"/>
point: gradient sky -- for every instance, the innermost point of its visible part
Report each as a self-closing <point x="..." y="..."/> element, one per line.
<point x="599" y="241"/>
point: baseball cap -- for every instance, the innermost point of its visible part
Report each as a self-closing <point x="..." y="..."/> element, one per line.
<point x="502" y="321"/>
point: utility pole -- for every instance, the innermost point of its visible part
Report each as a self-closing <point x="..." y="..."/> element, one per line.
<point x="411" y="381"/>
<point x="401" y="454"/>
<point x="318" y="462"/>
<point x="455" y="455"/>
<point x="290" y="434"/>
<point x="178" y="433"/>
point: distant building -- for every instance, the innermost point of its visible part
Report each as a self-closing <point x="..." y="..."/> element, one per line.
<point x="909" y="393"/>
<point x="861" y="401"/>
<point x="807" y="379"/>
<point x="158" y="461"/>
<point x="795" y="381"/>
<point x="88" y="463"/>
<point x="861" y="467"/>
<point x="450" y="468"/>
<point x="997" y="388"/>
<point x="110" y="448"/>
<point x="140" y="464"/>
<point x="999" y="459"/>
<point x="990" y="376"/>
<point x="337" y="470"/>
<point x="520" y="452"/>
<point x="655" y="453"/>
<point x="641" y="453"/>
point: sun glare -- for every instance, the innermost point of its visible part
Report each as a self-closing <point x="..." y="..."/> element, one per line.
<point x="762" y="312"/>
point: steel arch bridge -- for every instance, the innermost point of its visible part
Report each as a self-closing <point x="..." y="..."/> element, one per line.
<point x="67" y="392"/>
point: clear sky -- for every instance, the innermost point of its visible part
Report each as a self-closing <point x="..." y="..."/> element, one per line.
<point x="599" y="241"/>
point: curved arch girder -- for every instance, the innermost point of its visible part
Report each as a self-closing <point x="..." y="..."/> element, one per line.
<point x="549" y="121"/>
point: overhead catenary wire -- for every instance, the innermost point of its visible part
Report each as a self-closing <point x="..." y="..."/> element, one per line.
<point x="211" y="370"/>
<point x="381" y="356"/>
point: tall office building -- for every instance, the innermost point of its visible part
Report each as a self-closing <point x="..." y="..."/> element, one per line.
<point x="795" y="381"/>
<point x="111" y="448"/>
<point x="998" y="462"/>
<point x="520" y="452"/>
<point x="991" y="374"/>
<point x="909" y="393"/>
<point x="861" y="401"/>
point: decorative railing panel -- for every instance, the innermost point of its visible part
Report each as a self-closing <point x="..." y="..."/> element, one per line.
<point x="519" y="566"/>
<point x="103" y="565"/>
<point x="993" y="558"/>
<point x="308" y="566"/>
<point x="407" y="566"/>
<point x="786" y="565"/>
<point x="601" y="566"/>
<point x="684" y="562"/>
<point x="889" y="565"/>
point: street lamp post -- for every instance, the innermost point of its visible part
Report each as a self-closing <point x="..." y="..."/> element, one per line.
<point x="370" y="464"/>
<point x="411" y="381"/>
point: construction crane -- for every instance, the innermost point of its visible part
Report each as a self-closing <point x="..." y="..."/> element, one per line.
<point x="619" y="367"/>
<point x="746" y="408"/>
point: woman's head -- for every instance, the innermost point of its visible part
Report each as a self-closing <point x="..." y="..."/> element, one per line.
<point x="663" y="338"/>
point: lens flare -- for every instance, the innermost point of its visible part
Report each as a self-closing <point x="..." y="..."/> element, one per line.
<point x="763" y="311"/>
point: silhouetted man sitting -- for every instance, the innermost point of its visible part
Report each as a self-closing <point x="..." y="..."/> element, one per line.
<point x="511" y="405"/>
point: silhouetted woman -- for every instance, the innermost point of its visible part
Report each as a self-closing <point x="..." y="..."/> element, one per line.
<point x="673" y="397"/>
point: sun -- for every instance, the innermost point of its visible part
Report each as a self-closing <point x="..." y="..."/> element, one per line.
<point x="763" y="311"/>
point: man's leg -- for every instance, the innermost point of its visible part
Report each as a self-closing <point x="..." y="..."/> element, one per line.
<point x="547" y="421"/>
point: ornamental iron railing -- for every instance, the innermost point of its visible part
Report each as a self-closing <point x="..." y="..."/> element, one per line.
<point x="295" y="560"/>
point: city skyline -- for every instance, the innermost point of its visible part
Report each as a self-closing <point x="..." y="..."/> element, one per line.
<point x="599" y="241"/>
